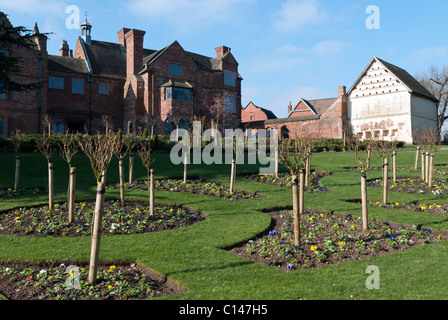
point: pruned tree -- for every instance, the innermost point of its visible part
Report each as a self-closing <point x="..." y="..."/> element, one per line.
<point x="292" y="155"/>
<point x="429" y="139"/>
<point x="15" y="143"/>
<point x="46" y="123"/>
<point x="131" y="141"/>
<point x="107" y="122"/>
<point x="120" y="152"/>
<point x="46" y="146"/>
<point x="68" y="147"/>
<point x="363" y="158"/>
<point x="384" y="149"/>
<point x="144" y="152"/>
<point x="99" y="149"/>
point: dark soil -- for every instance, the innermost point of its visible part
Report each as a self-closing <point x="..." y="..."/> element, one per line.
<point x="27" y="282"/>
<point x="133" y="218"/>
<point x="335" y="238"/>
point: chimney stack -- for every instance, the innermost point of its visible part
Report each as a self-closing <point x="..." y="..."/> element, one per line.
<point x="65" y="50"/>
<point x="221" y="51"/>
<point x="120" y="34"/>
<point x="133" y="40"/>
<point x="289" y="108"/>
<point x="40" y="39"/>
<point x="341" y="91"/>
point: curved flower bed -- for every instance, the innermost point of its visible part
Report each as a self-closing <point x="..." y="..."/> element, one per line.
<point x="428" y="208"/>
<point x="22" y="191"/>
<point x="194" y="186"/>
<point x="413" y="185"/>
<point x="68" y="281"/>
<point x="284" y="180"/>
<point x="132" y="218"/>
<point x="329" y="238"/>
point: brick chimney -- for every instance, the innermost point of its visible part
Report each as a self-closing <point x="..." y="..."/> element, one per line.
<point x="65" y="50"/>
<point x="133" y="40"/>
<point x="221" y="51"/>
<point x="341" y="91"/>
<point x="120" y="34"/>
<point x="289" y="107"/>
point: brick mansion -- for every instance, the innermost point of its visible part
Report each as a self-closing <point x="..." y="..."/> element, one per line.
<point x="135" y="87"/>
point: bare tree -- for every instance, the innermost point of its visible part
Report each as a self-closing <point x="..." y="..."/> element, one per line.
<point x="384" y="149"/>
<point x="15" y="143"/>
<point x="144" y="152"/>
<point x="68" y="147"/>
<point x="46" y="123"/>
<point x="107" y="122"/>
<point x="435" y="80"/>
<point x="120" y="152"/>
<point x="430" y="141"/>
<point x="363" y="158"/>
<point x="292" y="155"/>
<point x="99" y="149"/>
<point x="220" y="111"/>
<point x="130" y="141"/>
<point x="46" y="146"/>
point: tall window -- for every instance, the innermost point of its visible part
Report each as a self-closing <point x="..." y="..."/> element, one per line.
<point x="230" y="102"/>
<point x="177" y="94"/>
<point x="229" y="78"/>
<point x="78" y="86"/>
<point x="103" y="89"/>
<point x="175" y="69"/>
<point x="2" y="96"/>
<point x="56" y="83"/>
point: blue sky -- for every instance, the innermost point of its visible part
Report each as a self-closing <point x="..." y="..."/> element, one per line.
<point x="286" y="49"/>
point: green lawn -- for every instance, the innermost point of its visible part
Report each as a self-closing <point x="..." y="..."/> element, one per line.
<point x="194" y="256"/>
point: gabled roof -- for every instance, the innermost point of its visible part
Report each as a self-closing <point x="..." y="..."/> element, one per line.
<point x="106" y="58"/>
<point x="406" y="79"/>
<point x="317" y="106"/>
<point x="269" y="114"/>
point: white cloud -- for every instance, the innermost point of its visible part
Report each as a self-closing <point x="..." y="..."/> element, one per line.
<point x="187" y="15"/>
<point x="33" y="7"/>
<point x="330" y="47"/>
<point x="428" y="54"/>
<point x="295" y="14"/>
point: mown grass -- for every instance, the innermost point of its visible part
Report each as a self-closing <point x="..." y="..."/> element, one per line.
<point x="195" y="256"/>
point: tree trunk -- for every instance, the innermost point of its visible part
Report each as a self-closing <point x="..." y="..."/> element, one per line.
<point x="96" y="235"/>
<point x="121" y="174"/>
<point x="427" y="167"/>
<point x="295" y="201"/>
<point x="16" y="180"/>
<point x="416" y="158"/>
<point x="364" y="201"/>
<point x="431" y="169"/>
<point x="232" y="176"/>
<point x="276" y="161"/>
<point x="423" y="166"/>
<point x="71" y="201"/>
<point x="307" y="170"/>
<point x="50" y="186"/>
<point x="131" y="167"/>
<point x="394" y="164"/>
<point x="302" y="193"/>
<point x="185" y="167"/>
<point x="151" y="193"/>
<point x="385" y="179"/>
<point x="369" y="156"/>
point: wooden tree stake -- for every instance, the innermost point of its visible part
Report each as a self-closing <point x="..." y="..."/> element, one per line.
<point x="394" y="164"/>
<point x="121" y="174"/>
<point x="295" y="200"/>
<point x="423" y="166"/>
<point x="151" y="193"/>
<point x="71" y="202"/>
<point x="232" y="176"/>
<point x="131" y="167"/>
<point x="385" y="180"/>
<point x="416" y="158"/>
<point x="50" y="186"/>
<point x="96" y="236"/>
<point x="364" y="201"/>
<point x="16" y="180"/>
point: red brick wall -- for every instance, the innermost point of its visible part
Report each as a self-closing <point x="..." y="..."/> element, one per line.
<point x="252" y="113"/>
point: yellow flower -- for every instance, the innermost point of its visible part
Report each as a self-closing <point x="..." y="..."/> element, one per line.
<point x="112" y="268"/>
<point x="396" y="203"/>
<point x="17" y="218"/>
<point x="423" y="208"/>
<point x="341" y="243"/>
<point x="313" y="248"/>
<point x="109" y="287"/>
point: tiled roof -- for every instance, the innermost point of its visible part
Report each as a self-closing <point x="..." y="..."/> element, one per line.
<point x="319" y="106"/>
<point x="67" y="64"/>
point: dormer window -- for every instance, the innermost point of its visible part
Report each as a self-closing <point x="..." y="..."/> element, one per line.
<point x="175" y="69"/>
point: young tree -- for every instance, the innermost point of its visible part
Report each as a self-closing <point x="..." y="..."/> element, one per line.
<point x="292" y="155"/>
<point x="68" y="147"/>
<point x="15" y="143"/>
<point x="130" y="141"/>
<point x="144" y="152"/>
<point x="46" y="146"/>
<point x="120" y="152"/>
<point x="384" y="149"/>
<point x="363" y="158"/>
<point x="99" y="149"/>
<point x="430" y="141"/>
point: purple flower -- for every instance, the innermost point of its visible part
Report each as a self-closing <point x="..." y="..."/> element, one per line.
<point x="289" y="266"/>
